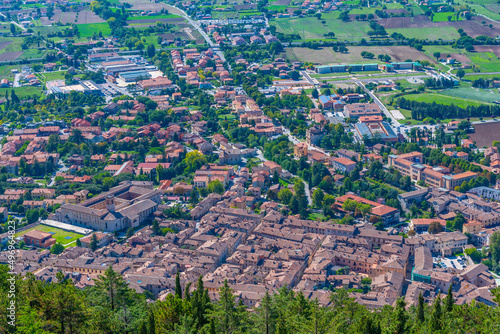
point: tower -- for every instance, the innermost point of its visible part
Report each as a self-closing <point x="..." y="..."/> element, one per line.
<point x="110" y="203"/>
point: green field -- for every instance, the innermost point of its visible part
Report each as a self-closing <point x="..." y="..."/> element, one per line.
<point x="22" y="92"/>
<point x="443" y="17"/>
<point x="50" y="76"/>
<point x="431" y="33"/>
<point x="485" y="61"/>
<point x="88" y="30"/>
<point x="138" y="18"/>
<point x="442" y="99"/>
<point x="312" y="28"/>
<point x="6" y="71"/>
<point x="61" y="236"/>
<point x="474" y="94"/>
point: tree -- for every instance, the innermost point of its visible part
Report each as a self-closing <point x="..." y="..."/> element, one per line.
<point x="178" y="289"/>
<point x="13" y="97"/>
<point x="130" y="232"/>
<point x="285" y="195"/>
<point x="57" y="248"/>
<point x="216" y="186"/>
<point x="151" y="50"/>
<point x="420" y="308"/>
<point x="94" y="243"/>
<point x="13" y="29"/>
<point x="400" y="317"/>
<point x="295" y="75"/>
<point x="315" y="93"/>
<point x="460" y="73"/>
<point x="317" y="197"/>
<point x="435" y="227"/>
<point x="436" y="315"/>
<point x="78" y="243"/>
<point x="193" y="198"/>
<point x="437" y="55"/>
<point x="112" y="288"/>
<point x="449" y="300"/>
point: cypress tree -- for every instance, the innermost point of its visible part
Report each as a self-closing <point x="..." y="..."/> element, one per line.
<point x="420" y="308"/>
<point x="436" y="315"/>
<point x="449" y="300"/>
<point x="178" y="289"/>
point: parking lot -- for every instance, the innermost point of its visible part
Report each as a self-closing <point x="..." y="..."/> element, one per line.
<point x="459" y="262"/>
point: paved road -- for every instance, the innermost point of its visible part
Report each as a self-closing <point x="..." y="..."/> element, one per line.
<point x="16" y="80"/>
<point x="61" y="169"/>
<point x="308" y="78"/>
<point x="378" y="103"/>
<point x="195" y="25"/>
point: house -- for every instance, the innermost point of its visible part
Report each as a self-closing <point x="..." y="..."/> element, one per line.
<point x="103" y="239"/>
<point x="343" y="165"/>
<point x="39" y="239"/>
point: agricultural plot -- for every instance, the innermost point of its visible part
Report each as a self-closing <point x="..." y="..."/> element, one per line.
<point x="23" y="92"/>
<point x="88" y="30"/>
<point x="473" y="27"/>
<point x="432" y="33"/>
<point x="83" y="17"/>
<point x="328" y="56"/>
<point x="485" y="133"/>
<point x="446" y="17"/>
<point x="312" y="28"/>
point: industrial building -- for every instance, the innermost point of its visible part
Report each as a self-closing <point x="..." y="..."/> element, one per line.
<point x="133" y="76"/>
<point x="85" y="87"/>
<point x="346" y="68"/>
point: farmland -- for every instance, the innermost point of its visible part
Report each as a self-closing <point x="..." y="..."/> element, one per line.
<point x="430" y="33"/>
<point x="485" y="133"/>
<point x="328" y="56"/>
<point x="312" y="28"/>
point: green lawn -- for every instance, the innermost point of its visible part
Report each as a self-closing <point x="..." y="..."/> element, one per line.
<point x="153" y="17"/>
<point x="443" y="17"/>
<point x="22" y="92"/>
<point x="61" y="236"/>
<point x="226" y="117"/>
<point x="485" y="61"/>
<point x="442" y="99"/>
<point x="277" y="7"/>
<point x="87" y="30"/>
<point x="312" y="28"/>
<point x="316" y="216"/>
<point x="474" y="94"/>
<point x="6" y="71"/>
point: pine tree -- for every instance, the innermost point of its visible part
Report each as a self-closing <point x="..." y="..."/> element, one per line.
<point x="400" y="317"/>
<point x="93" y="242"/>
<point x="420" y="308"/>
<point x="178" y="289"/>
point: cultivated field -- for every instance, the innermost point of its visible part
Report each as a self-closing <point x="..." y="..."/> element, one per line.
<point x="61" y="236"/>
<point x="83" y="17"/>
<point x="431" y="33"/>
<point x="485" y="134"/>
<point x="312" y="28"/>
<point x="474" y="94"/>
<point x="7" y="56"/>
<point x="328" y="56"/>
<point x="473" y="27"/>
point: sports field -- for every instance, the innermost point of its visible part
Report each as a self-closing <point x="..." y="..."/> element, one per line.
<point x="442" y="99"/>
<point x="61" y="236"/>
<point x="474" y="94"/>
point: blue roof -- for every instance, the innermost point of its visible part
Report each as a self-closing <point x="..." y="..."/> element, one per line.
<point x="324" y="99"/>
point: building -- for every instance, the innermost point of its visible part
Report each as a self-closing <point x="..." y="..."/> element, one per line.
<point x="103" y="239"/>
<point x="126" y="205"/>
<point x="380" y="130"/>
<point x="155" y="84"/>
<point x="39" y="239"/>
<point x="452" y="181"/>
<point x="300" y="150"/>
<point x="343" y="165"/>
<point x="314" y="135"/>
<point x="356" y="110"/>
<point x="386" y="213"/>
<point x="422" y="225"/>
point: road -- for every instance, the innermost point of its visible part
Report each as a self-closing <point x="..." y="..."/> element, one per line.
<point x="17" y="76"/>
<point x="378" y="103"/>
<point x="306" y="186"/>
<point x="308" y="78"/>
<point x="61" y="169"/>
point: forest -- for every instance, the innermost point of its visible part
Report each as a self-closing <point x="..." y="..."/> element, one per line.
<point x="111" y="306"/>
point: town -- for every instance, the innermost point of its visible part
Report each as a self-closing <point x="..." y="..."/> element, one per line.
<point x="180" y="145"/>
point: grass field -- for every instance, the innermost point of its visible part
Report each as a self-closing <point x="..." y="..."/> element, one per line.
<point x="443" y="17"/>
<point x="22" y="92"/>
<point x="6" y="71"/>
<point x="87" y="30"/>
<point x="474" y="94"/>
<point x="312" y="28"/>
<point x="138" y="18"/>
<point x="430" y="33"/>
<point x="486" y="61"/>
<point x="442" y="99"/>
<point x="61" y="236"/>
